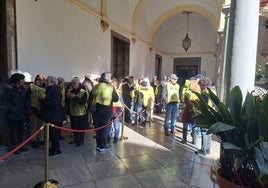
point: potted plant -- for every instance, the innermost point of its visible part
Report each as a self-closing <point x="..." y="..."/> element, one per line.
<point x="242" y="127"/>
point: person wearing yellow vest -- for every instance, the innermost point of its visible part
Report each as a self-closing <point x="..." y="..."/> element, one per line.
<point x="77" y="99"/>
<point x="35" y="91"/>
<point x="104" y="94"/>
<point x="171" y="97"/>
<point x="144" y="97"/>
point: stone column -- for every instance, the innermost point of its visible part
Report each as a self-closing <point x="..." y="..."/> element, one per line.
<point x="244" y="48"/>
<point x="223" y="56"/>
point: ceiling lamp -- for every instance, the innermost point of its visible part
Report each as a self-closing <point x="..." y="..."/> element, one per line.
<point x="186" y="42"/>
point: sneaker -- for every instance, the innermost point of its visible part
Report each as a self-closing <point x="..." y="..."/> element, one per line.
<point x="115" y="140"/>
<point x="167" y="133"/>
<point x="200" y="152"/>
<point x="24" y="149"/>
<point x="73" y="142"/>
<point x="184" y="141"/>
<point x="78" y="145"/>
<point x="171" y="132"/>
<point x="17" y="152"/>
<point x="54" y="153"/>
<point x="41" y="143"/>
<point x="34" y="144"/>
<point x="106" y="148"/>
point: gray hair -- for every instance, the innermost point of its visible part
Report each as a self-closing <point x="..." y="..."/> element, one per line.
<point x="53" y="79"/>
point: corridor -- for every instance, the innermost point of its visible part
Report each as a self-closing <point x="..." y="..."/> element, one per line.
<point x="146" y="158"/>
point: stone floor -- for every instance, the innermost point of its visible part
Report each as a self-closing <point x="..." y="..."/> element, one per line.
<point x="147" y="158"/>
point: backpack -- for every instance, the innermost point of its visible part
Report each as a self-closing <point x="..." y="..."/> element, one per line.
<point x="138" y="100"/>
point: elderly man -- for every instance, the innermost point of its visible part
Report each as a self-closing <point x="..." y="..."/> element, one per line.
<point x="171" y="97"/>
<point x="51" y="112"/>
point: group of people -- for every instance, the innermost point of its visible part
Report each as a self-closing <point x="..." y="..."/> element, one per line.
<point x="47" y="100"/>
<point x="197" y="84"/>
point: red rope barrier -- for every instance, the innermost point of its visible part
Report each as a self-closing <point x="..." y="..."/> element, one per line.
<point x="87" y="130"/>
<point x="22" y="144"/>
<point x="58" y="127"/>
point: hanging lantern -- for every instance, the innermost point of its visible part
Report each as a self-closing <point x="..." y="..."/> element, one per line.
<point x="186" y="42"/>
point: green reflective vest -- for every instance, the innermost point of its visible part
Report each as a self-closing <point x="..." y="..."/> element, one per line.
<point x="103" y="94"/>
<point x="36" y="93"/>
<point x="77" y="109"/>
<point x="173" y="92"/>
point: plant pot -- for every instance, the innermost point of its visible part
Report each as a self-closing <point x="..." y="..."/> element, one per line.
<point x="48" y="184"/>
<point x="223" y="183"/>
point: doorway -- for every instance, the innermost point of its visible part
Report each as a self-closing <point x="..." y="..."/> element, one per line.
<point x="158" y="66"/>
<point x="185" y="68"/>
<point x="120" y="56"/>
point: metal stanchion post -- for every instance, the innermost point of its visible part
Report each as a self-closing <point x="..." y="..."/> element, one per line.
<point x="47" y="183"/>
<point x="123" y="124"/>
<point x="46" y="151"/>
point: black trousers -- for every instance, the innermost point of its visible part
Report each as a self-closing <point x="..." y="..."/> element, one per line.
<point x="16" y="132"/>
<point x="54" y="138"/>
<point x="79" y="123"/>
<point x="103" y="117"/>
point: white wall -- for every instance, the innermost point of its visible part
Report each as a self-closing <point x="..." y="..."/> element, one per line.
<point x="142" y="61"/>
<point x="169" y="39"/>
<point x="58" y="38"/>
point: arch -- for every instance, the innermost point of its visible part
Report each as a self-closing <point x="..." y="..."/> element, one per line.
<point x="178" y="10"/>
<point x="135" y="15"/>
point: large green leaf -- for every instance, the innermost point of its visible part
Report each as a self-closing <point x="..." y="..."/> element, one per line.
<point x="264" y="149"/>
<point x="264" y="104"/>
<point x="263" y="126"/>
<point x="235" y="103"/>
<point x="229" y="146"/>
<point x="206" y="112"/>
<point x="219" y="127"/>
<point x="214" y="98"/>
<point x="262" y="163"/>
<point x="223" y="111"/>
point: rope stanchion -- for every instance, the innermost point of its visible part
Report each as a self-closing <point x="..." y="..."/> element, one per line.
<point x="47" y="183"/>
<point x="22" y="144"/>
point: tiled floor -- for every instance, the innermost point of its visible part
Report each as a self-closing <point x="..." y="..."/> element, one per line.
<point x="147" y="158"/>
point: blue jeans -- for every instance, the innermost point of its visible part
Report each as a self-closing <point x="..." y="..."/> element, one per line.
<point x="205" y="141"/>
<point x="172" y="110"/>
<point x="115" y="127"/>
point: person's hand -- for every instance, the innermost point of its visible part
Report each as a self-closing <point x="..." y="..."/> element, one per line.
<point x="71" y="95"/>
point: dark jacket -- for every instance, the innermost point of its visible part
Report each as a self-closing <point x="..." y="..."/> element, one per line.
<point x="187" y="112"/>
<point x="13" y="98"/>
<point x="51" y="110"/>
